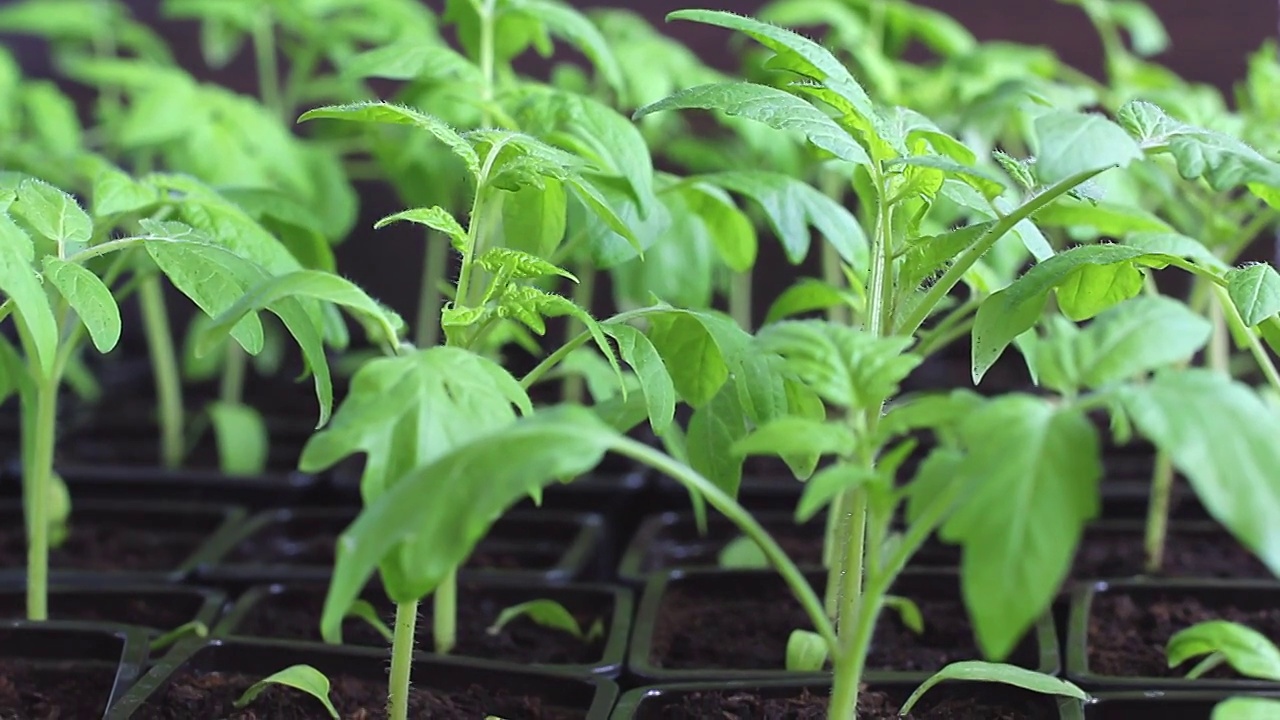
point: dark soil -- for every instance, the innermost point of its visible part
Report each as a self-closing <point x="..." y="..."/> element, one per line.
<point x="942" y="703"/>
<point x="1128" y="633"/>
<point x="679" y="545"/>
<point x="102" y="545"/>
<point x="1116" y="553"/>
<point x="211" y="696"/>
<point x="54" y="691"/>
<point x="153" y="611"/>
<point x="306" y="541"/>
<point x="742" y="623"/>
<point x="295" y="615"/>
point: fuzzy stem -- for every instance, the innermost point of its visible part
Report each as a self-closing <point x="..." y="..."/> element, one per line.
<point x="435" y="261"/>
<point x="584" y="297"/>
<point x="402" y="660"/>
<point x="444" y="624"/>
<point x="39" y="472"/>
<point x="1158" y="512"/>
<point x="164" y="363"/>
<point x="837" y="527"/>
<point x="740" y="300"/>
<point x="1260" y="355"/>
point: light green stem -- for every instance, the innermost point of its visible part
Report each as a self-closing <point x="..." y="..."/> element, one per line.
<point x="584" y="294"/>
<point x="837" y="527"/>
<point x="444" y="625"/>
<point x="164" y="365"/>
<point x="402" y="660"/>
<point x="740" y="300"/>
<point x="264" y="46"/>
<point x="1260" y="355"/>
<point x="1219" y="341"/>
<point x="1158" y="512"/>
<point x="832" y="265"/>
<point x="231" y="390"/>
<point x="435" y="262"/>
<point x="39" y="471"/>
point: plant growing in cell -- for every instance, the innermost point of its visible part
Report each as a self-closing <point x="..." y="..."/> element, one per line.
<point x="64" y="277"/>
<point x="1243" y="649"/>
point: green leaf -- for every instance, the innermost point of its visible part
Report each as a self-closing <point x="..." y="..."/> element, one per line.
<point x="364" y="610"/>
<point x="1009" y="312"/>
<point x="570" y="25"/>
<point x="791" y="207"/>
<point x="430" y="521"/>
<point x="979" y="178"/>
<point x="908" y="612"/>
<point x="728" y="228"/>
<point x="806" y="296"/>
<point x="742" y="553"/>
<point x="773" y="107"/>
<point x="436" y="218"/>
<point x="1255" y="289"/>
<point x="828" y="484"/>
<point x="977" y="671"/>
<point x="797" y="435"/>
<point x="1030" y="477"/>
<point x="712" y="429"/>
<point x="381" y="112"/>
<point x="1180" y="246"/>
<point x="300" y="677"/>
<point x="241" y="436"/>
<point x="413" y="60"/>
<point x="1090" y="289"/>
<point x="89" y="297"/>
<point x="846" y="366"/>
<point x="1138" y="336"/>
<point x="207" y="274"/>
<point x="655" y="382"/>
<point x="1221" y="437"/>
<point x="115" y="193"/>
<point x="1072" y="142"/>
<point x="534" y="218"/>
<point x="18" y="280"/>
<point x="55" y="215"/>
<point x="520" y="265"/>
<point x="691" y="355"/>
<point x="806" y="651"/>
<point x="1223" y="161"/>
<point x="1110" y="219"/>
<point x="543" y="612"/>
<point x="1246" y="650"/>
<point x="1246" y="708"/>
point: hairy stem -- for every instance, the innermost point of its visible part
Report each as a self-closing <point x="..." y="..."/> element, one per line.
<point x="164" y="364"/>
<point x="38" y="477"/>
<point x="435" y="262"/>
<point x="444" y="624"/>
<point x="583" y="296"/>
<point x="1260" y="355"/>
<point x="1158" y="512"/>
<point x="402" y="660"/>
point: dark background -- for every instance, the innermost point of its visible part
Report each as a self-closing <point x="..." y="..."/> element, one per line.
<point x="1210" y="43"/>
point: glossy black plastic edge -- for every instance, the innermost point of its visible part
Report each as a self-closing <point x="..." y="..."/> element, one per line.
<point x="611" y="660"/>
<point x="215" y="543"/>
<point x="572" y="565"/>
<point x="1077" y="655"/>
<point x="641" y="668"/>
<point x="1156" y="696"/>
<point x="631" y="701"/>
<point x="134" y="647"/>
<point x="330" y="660"/>
<point x="212" y="600"/>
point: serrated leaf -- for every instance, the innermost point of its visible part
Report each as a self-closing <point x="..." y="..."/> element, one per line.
<point x="430" y="520"/>
<point x="691" y="355"/>
<point x="413" y="60"/>
<point x="1137" y="336"/>
<point x="1246" y="650"/>
<point x="300" y="677"/>
<point x="1221" y="437"/>
<point x="1072" y="142"/>
<point x="1255" y="290"/>
<point x="115" y="193"/>
<point x="770" y="106"/>
<point x="518" y="264"/>
<point x="436" y="218"/>
<point x="977" y="671"/>
<point x="791" y="207"/>
<point x="655" y="382"/>
<point x="241" y="437"/>
<point x="89" y="298"/>
<point x="1030" y="476"/>
<point x="209" y="276"/>
<point x="1223" y="161"/>
<point x="381" y="112"/>
<point x="18" y="280"/>
<point x="55" y="215"/>
<point x="543" y="612"/>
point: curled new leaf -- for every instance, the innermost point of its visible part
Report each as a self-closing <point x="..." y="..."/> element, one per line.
<point x="381" y="112"/>
<point x="436" y="218"/>
<point x="521" y="265"/>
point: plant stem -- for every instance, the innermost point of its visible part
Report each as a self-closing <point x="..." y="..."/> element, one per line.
<point x="486" y="10"/>
<point x="39" y="471"/>
<point x="402" y="660"/>
<point x="444" y="624"/>
<point x="837" y="525"/>
<point x="435" y="260"/>
<point x="832" y="272"/>
<point x="231" y="390"/>
<point x="1219" y="341"/>
<point x="1158" y="512"/>
<point x="1259" y="352"/>
<point x="164" y="363"/>
<point x="264" y="47"/>
<point x="740" y="300"/>
<point x="584" y="294"/>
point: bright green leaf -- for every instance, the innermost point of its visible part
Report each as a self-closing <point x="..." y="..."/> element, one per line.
<point x="1246" y="650"/>
<point x="828" y="484"/>
<point x="1090" y="289"/>
<point x="655" y="382"/>
<point x="806" y="651"/>
<point x="789" y="434"/>
<point x="300" y="677"/>
<point x="436" y="218"/>
<point x="742" y="553"/>
<point x="977" y="671"/>
<point x="241" y="437"/>
<point x="89" y="297"/>
<point x="1137" y="336"/>
<point x="19" y="281"/>
<point x="908" y="612"/>
<point x="1246" y="708"/>
<point x="1255" y="289"/>
<point x="55" y="215"/>
<point x="543" y="612"/>
<point x="380" y="112"/>
<point x="1072" y="142"/>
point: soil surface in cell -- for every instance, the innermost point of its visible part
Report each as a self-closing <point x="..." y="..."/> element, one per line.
<point x="680" y="545"/>
<point x="1118" y="553"/>
<point x="163" y="612"/>
<point x="941" y="703"/>
<point x="295" y="615"/>
<point x="62" y="691"/>
<point x="211" y="696"/>
<point x="101" y="545"/>
<point x="741" y="623"/>
<point x="1128" y="633"/>
<point x="311" y="542"/>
